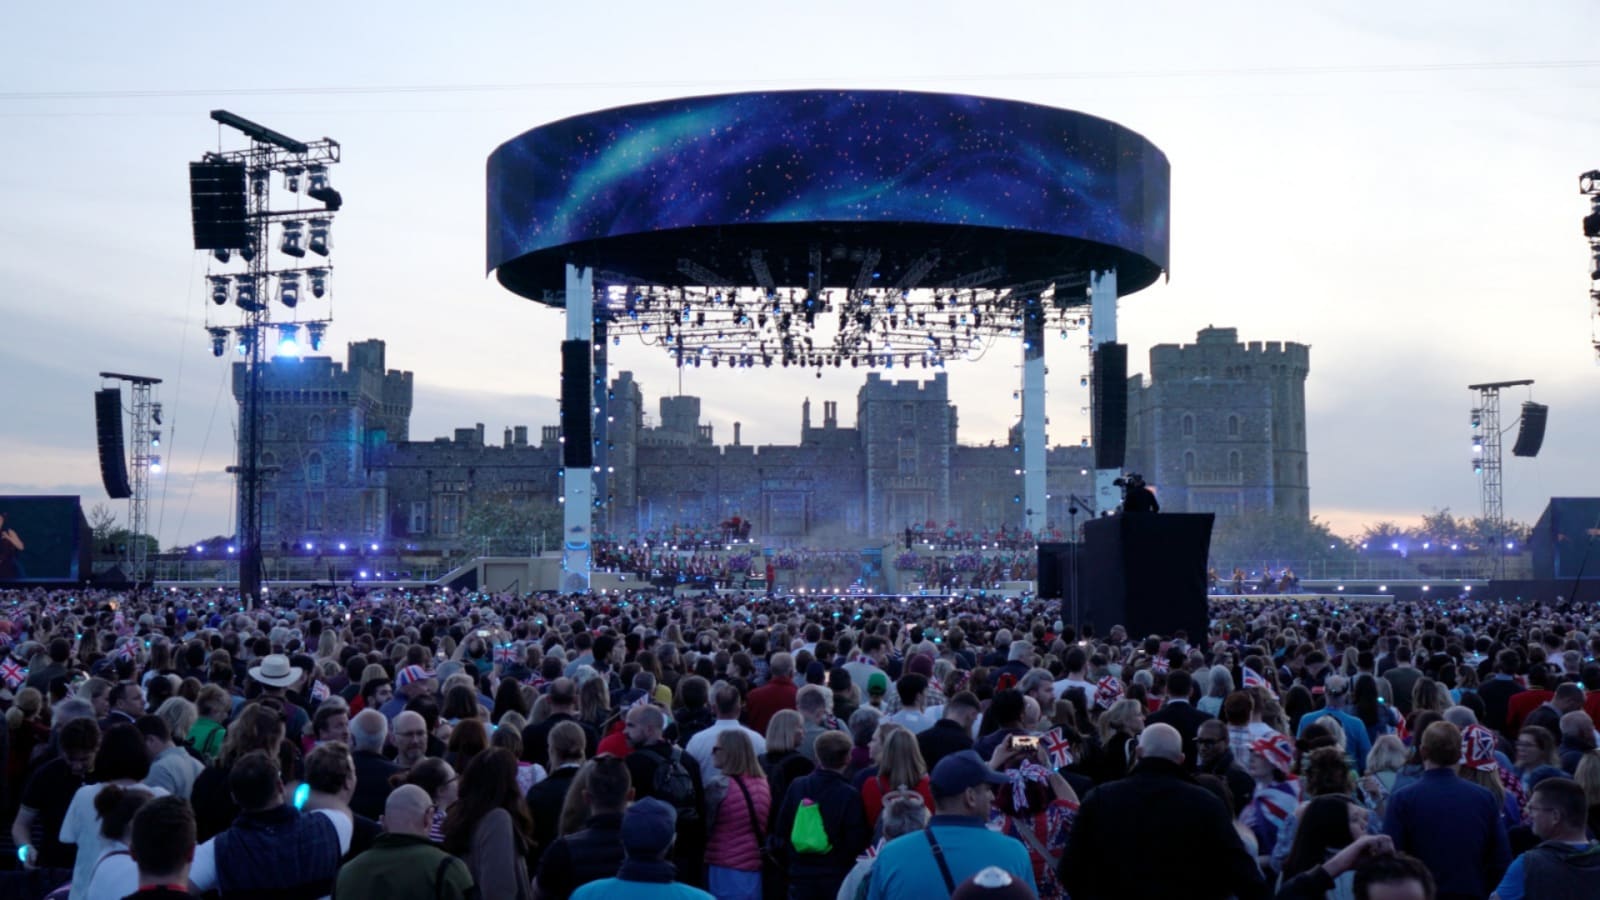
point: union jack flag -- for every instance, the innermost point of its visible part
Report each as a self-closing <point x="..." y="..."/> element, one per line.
<point x="505" y="653"/>
<point x="13" y="673"/>
<point x="1252" y="678"/>
<point x="1162" y="665"/>
<point x="319" y="691"/>
<point x="1057" y="748"/>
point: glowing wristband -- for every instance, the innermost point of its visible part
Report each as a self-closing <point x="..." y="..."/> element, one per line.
<point x="301" y="795"/>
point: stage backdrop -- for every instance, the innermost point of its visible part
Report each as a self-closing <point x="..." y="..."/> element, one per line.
<point x="42" y="540"/>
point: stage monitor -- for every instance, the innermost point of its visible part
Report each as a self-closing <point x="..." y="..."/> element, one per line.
<point x="43" y="540"/>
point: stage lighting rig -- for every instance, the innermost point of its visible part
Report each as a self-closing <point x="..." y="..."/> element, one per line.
<point x="232" y="199"/>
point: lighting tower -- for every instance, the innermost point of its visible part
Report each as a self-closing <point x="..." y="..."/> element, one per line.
<point x="144" y="459"/>
<point x="1589" y="185"/>
<point x="235" y="216"/>
<point x="1486" y="435"/>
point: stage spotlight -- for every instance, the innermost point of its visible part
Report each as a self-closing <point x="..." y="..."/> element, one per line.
<point x="319" y="281"/>
<point x="293" y="237"/>
<point x="1591" y="225"/>
<point x="219" y="340"/>
<point x="221" y="255"/>
<point x="289" y="289"/>
<point x="314" y="333"/>
<point x="155" y="438"/>
<point x="318" y="187"/>
<point x="248" y="251"/>
<point x="320" y="241"/>
<point x="1589" y="181"/>
<point x="219" y="289"/>
<point x="155" y="465"/>
<point x="244" y="292"/>
<point x="291" y="179"/>
<point x="288" y="340"/>
<point x="155" y="413"/>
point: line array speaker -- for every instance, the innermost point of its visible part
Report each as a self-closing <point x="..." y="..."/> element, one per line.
<point x="1109" y="404"/>
<point x="577" y="416"/>
<point x="108" y="427"/>
<point x="1530" y="435"/>
<point x="217" y="205"/>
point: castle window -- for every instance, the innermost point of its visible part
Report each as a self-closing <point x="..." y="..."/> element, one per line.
<point x="314" y="511"/>
<point x="315" y="431"/>
<point x="314" y="470"/>
<point x="447" y="519"/>
<point x="417" y="523"/>
<point x="1188" y="462"/>
<point x="269" y="460"/>
<point x="908" y="414"/>
<point x="1233" y="426"/>
<point x="908" y="456"/>
<point x="1235" y="466"/>
<point x="1301" y="467"/>
<point x="269" y="427"/>
<point x="1188" y="425"/>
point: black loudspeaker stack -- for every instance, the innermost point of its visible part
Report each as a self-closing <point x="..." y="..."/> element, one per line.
<point x="1146" y="572"/>
<point x="1530" y="435"/>
<point x="217" y="205"/>
<point x="108" y="426"/>
<point x="577" y="416"/>
<point x="1109" y="404"/>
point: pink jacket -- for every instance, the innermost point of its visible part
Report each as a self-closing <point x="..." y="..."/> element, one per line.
<point x="733" y="845"/>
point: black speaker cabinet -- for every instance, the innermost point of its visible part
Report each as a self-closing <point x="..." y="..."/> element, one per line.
<point x="1530" y="435"/>
<point x="1109" y="423"/>
<point x="108" y="427"/>
<point x="1146" y="572"/>
<point x="577" y="415"/>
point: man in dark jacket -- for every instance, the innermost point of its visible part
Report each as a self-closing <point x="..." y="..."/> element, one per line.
<point x="546" y="798"/>
<point x="1496" y="692"/>
<point x="369" y="731"/>
<point x="563" y="708"/>
<point x="1216" y="758"/>
<point x="1178" y="712"/>
<point x="1121" y="823"/>
<point x="953" y="732"/>
<point x="652" y="753"/>
<point x="817" y="876"/>
<point x="1452" y="825"/>
<point x="595" y="851"/>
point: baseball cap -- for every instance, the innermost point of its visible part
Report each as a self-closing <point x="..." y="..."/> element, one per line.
<point x="959" y="771"/>
<point x="993" y="883"/>
<point x="648" y="827"/>
<point x="877" y="683"/>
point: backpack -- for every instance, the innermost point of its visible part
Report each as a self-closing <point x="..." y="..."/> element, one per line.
<point x="672" y="784"/>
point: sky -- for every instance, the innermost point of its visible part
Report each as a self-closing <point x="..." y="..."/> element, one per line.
<point x="1393" y="184"/>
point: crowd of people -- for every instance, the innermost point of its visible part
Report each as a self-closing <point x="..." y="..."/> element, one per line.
<point x="432" y="744"/>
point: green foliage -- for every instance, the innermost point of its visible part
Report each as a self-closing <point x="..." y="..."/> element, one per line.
<point x="504" y="522"/>
<point x="1259" y="539"/>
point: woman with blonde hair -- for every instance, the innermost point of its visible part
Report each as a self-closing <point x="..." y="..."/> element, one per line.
<point x="1384" y="762"/>
<point x="1118" y="729"/>
<point x="900" y="768"/>
<point x="574" y="811"/>
<point x="738" y="830"/>
<point x="1588" y="777"/>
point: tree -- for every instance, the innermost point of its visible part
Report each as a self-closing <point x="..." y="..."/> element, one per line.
<point x="510" y="522"/>
<point x="101" y="521"/>
<point x="1251" y="539"/>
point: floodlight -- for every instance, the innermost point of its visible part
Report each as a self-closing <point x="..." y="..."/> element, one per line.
<point x="293" y="235"/>
<point x="319" y="281"/>
<point x="314" y="332"/>
<point x="155" y="438"/>
<point x="288" y="344"/>
<point x="244" y="292"/>
<point x="219" y="341"/>
<point x="320" y="242"/>
<point x="155" y="466"/>
<point x="219" y="289"/>
<point x="289" y="289"/>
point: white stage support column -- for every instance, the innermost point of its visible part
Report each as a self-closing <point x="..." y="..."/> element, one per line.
<point x="1033" y="432"/>
<point x="577" y="482"/>
<point x="1103" y="330"/>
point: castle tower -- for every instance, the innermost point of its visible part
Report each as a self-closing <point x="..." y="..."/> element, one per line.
<point x="907" y="431"/>
<point x="1221" y="426"/>
<point x="324" y="429"/>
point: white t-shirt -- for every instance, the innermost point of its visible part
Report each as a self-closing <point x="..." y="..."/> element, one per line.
<point x="82" y="827"/>
<point x="116" y="875"/>
<point x="700" y="746"/>
<point x="203" y="871"/>
<point x="1065" y="684"/>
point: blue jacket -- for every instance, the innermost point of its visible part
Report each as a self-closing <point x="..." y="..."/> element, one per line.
<point x="1357" y="744"/>
<point x="1454" y="827"/>
<point x="905" y="868"/>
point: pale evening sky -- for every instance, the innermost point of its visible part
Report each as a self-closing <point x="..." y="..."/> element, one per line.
<point x="1393" y="184"/>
